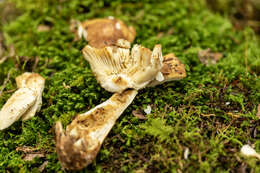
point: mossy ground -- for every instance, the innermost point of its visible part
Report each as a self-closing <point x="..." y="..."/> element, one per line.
<point x="179" y="109"/>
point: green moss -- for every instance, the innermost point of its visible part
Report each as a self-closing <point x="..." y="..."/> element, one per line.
<point x="178" y="108"/>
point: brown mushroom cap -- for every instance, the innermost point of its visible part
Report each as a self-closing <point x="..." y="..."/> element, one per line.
<point x="106" y="32"/>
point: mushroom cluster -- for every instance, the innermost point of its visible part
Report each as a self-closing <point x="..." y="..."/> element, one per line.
<point x="120" y="70"/>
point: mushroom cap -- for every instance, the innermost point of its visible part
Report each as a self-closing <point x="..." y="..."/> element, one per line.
<point x="105" y="32"/>
<point x="116" y="68"/>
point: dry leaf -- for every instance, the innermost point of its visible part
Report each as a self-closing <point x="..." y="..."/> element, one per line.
<point x="170" y="31"/>
<point x="42" y="167"/>
<point x="43" y="28"/>
<point x="208" y="57"/>
<point x="26" y="149"/>
<point x="160" y="35"/>
<point x="258" y="111"/>
<point x="138" y="114"/>
<point x="30" y="152"/>
<point x="31" y="156"/>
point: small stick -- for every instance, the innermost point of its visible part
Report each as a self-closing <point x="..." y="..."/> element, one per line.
<point x="5" y="82"/>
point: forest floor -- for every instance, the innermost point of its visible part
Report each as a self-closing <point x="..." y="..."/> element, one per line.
<point x="209" y="115"/>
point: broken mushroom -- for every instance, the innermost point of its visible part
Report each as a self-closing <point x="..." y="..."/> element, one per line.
<point x="34" y="82"/>
<point x="79" y="145"/>
<point x="105" y="32"/>
<point x="116" y="69"/>
<point x="25" y="102"/>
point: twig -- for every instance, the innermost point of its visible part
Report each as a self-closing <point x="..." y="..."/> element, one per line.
<point x="5" y="82"/>
<point x="35" y="63"/>
<point x="246" y="54"/>
<point x="2" y="60"/>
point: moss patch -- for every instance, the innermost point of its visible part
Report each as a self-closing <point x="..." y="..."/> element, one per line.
<point x="212" y="111"/>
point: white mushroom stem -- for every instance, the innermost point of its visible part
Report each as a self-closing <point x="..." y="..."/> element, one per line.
<point x="79" y="145"/>
<point x="247" y="150"/>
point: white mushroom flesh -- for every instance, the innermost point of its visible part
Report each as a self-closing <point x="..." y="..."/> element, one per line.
<point x="16" y="106"/>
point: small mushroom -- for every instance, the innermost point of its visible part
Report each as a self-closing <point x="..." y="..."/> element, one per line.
<point x="25" y="102"/>
<point x="105" y="32"/>
<point x="116" y="69"/>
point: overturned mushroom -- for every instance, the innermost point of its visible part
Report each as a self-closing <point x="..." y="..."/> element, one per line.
<point x="105" y="32"/>
<point x="79" y="144"/>
<point x="116" y="69"/>
<point x="25" y="102"/>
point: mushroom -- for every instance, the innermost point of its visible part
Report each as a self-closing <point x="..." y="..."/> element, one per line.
<point x="79" y="144"/>
<point x="116" y="69"/>
<point x="105" y="32"/>
<point x="25" y="102"/>
<point x="34" y="82"/>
